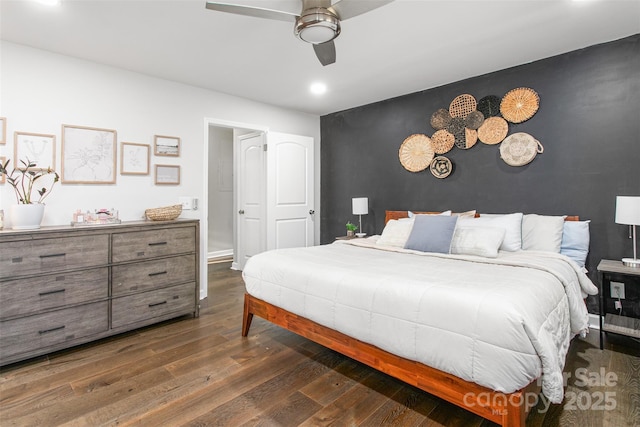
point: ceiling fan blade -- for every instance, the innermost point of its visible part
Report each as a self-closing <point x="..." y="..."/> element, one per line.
<point x="346" y="9"/>
<point x="257" y="12"/>
<point x="326" y="52"/>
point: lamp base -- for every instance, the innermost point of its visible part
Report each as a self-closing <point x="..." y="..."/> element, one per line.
<point x="361" y="234"/>
<point x="631" y="262"/>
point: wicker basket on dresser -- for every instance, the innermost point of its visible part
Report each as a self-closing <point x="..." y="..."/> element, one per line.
<point x="64" y="286"/>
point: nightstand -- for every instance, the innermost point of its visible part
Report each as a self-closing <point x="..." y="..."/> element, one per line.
<point x="346" y="237"/>
<point x="614" y="319"/>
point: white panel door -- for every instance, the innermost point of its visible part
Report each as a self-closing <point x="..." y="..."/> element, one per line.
<point x="251" y="198"/>
<point x="290" y="191"/>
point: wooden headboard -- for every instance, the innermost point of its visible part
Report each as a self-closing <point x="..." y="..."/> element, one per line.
<point x="389" y="215"/>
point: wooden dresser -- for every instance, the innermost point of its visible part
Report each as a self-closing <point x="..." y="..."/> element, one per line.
<point x="64" y="286"/>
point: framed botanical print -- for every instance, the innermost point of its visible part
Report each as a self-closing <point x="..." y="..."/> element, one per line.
<point x="134" y="158"/>
<point x="3" y="130"/>
<point x="39" y="148"/>
<point x="88" y="155"/>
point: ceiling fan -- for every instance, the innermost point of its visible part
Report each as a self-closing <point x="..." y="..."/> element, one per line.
<point x="318" y="23"/>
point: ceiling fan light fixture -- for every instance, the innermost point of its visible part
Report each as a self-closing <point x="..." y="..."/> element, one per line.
<point x="317" y="26"/>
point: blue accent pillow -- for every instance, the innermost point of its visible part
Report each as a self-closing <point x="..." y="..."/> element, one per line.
<point x="575" y="241"/>
<point x="432" y="233"/>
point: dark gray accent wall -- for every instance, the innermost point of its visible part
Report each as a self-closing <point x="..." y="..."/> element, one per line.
<point x="588" y="123"/>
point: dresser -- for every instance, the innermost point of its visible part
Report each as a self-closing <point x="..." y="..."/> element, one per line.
<point x="64" y="286"/>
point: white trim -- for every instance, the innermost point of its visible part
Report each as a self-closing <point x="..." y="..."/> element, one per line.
<point x="212" y="256"/>
<point x="594" y="321"/>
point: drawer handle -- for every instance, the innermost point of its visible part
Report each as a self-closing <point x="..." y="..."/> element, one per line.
<point x="157" y="303"/>
<point x="157" y="244"/>
<point x="52" y="255"/>
<point x="46" y="331"/>
<point x="57" y="291"/>
<point x="158" y="273"/>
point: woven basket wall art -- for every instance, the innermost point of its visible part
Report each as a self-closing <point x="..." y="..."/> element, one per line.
<point x="474" y="120"/>
<point x="462" y="105"/>
<point x="441" y="167"/>
<point x="520" y="149"/>
<point x="489" y="106"/>
<point x="493" y="130"/>
<point x="416" y="152"/>
<point x="440" y="119"/>
<point x="519" y="104"/>
<point x="456" y="125"/>
<point x="466" y="140"/>
<point x="443" y="141"/>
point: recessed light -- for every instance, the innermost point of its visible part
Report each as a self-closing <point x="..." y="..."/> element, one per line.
<point x="318" y="88"/>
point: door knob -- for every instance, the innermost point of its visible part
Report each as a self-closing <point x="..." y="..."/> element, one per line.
<point x="241" y="211"/>
<point x="311" y="211"/>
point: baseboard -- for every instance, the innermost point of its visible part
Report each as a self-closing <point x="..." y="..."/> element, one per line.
<point x="220" y="256"/>
<point x="594" y="321"/>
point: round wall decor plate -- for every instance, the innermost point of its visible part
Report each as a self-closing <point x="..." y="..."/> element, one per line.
<point x="441" y="167"/>
<point x="519" y="104"/>
<point x="467" y="139"/>
<point x="456" y="125"/>
<point x="474" y="120"/>
<point x="440" y="119"/>
<point x="489" y="106"/>
<point x="520" y="149"/>
<point x="493" y="130"/>
<point x="416" y="152"/>
<point x="442" y="141"/>
<point x="462" y="105"/>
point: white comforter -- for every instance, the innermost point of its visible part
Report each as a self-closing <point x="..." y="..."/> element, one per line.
<point x="500" y="322"/>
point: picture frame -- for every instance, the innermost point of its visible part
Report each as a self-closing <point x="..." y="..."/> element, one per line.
<point x="166" y="146"/>
<point x="135" y="158"/>
<point x="88" y="155"/>
<point x="3" y="130"/>
<point x="39" y="148"/>
<point x="167" y="175"/>
<point x="3" y="177"/>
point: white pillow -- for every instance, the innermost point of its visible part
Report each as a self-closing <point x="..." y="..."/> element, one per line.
<point x="468" y="214"/>
<point x="396" y="233"/>
<point x="575" y="241"/>
<point x="542" y="233"/>
<point x="511" y="223"/>
<point x="481" y="241"/>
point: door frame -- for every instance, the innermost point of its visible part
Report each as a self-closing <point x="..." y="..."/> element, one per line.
<point x="204" y="223"/>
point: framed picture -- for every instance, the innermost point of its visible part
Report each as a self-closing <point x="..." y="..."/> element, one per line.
<point x="3" y="130"/>
<point x="134" y="158"/>
<point x="167" y="175"/>
<point x="88" y="155"/>
<point x="3" y="178"/>
<point x="37" y="147"/>
<point x="166" y="145"/>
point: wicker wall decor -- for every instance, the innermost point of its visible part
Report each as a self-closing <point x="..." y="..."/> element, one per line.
<point x="462" y="105"/>
<point x="443" y="141"/>
<point x="456" y="125"/>
<point x="519" y="104"/>
<point x="416" y="152"/>
<point x="489" y="106"/>
<point x="441" y="167"/>
<point x="493" y="130"/>
<point x="474" y="120"/>
<point x="467" y="139"/>
<point x="519" y="149"/>
<point x="440" y="119"/>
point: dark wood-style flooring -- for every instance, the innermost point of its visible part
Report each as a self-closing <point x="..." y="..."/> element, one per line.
<point x="200" y="372"/>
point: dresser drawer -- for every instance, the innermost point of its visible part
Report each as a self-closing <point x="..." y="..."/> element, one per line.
<point x="148" y="244"/>
<point x="27" y="296"/>
<point x="51" y="329"/>
<point x="48" y="255"/>
<point x="160" y="302"/>
<point x="153" y="274"/>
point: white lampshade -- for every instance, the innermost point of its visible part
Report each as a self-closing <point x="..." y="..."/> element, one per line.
<point x="360" y="205"/>
<point x="627" y="210"/>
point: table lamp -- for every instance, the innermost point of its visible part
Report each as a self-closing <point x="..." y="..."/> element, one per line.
<point x="360" y="206"/>
<point x="628" y="213"/>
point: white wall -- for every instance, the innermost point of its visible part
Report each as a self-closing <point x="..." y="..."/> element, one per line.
<point x="40" y="91"/>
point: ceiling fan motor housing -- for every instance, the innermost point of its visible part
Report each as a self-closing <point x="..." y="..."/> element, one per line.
<point x="317" y="25"/>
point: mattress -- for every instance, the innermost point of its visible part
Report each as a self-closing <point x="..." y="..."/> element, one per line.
<point x="498" y="322"/>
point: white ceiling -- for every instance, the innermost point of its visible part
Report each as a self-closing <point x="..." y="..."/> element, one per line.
<point x="400" y="48"/>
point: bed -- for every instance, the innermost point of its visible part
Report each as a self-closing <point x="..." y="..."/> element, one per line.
<point x="484" y="332"/>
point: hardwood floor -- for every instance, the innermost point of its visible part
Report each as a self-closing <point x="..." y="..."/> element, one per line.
<point x="200" y="372"/>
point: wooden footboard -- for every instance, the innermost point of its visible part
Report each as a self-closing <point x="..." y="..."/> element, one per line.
<point x="509" y="410"/>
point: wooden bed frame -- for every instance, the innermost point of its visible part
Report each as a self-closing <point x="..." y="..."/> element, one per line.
<point x="506" y="409"/>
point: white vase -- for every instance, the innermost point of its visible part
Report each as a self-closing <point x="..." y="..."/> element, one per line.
<point x="26" y="217"/>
